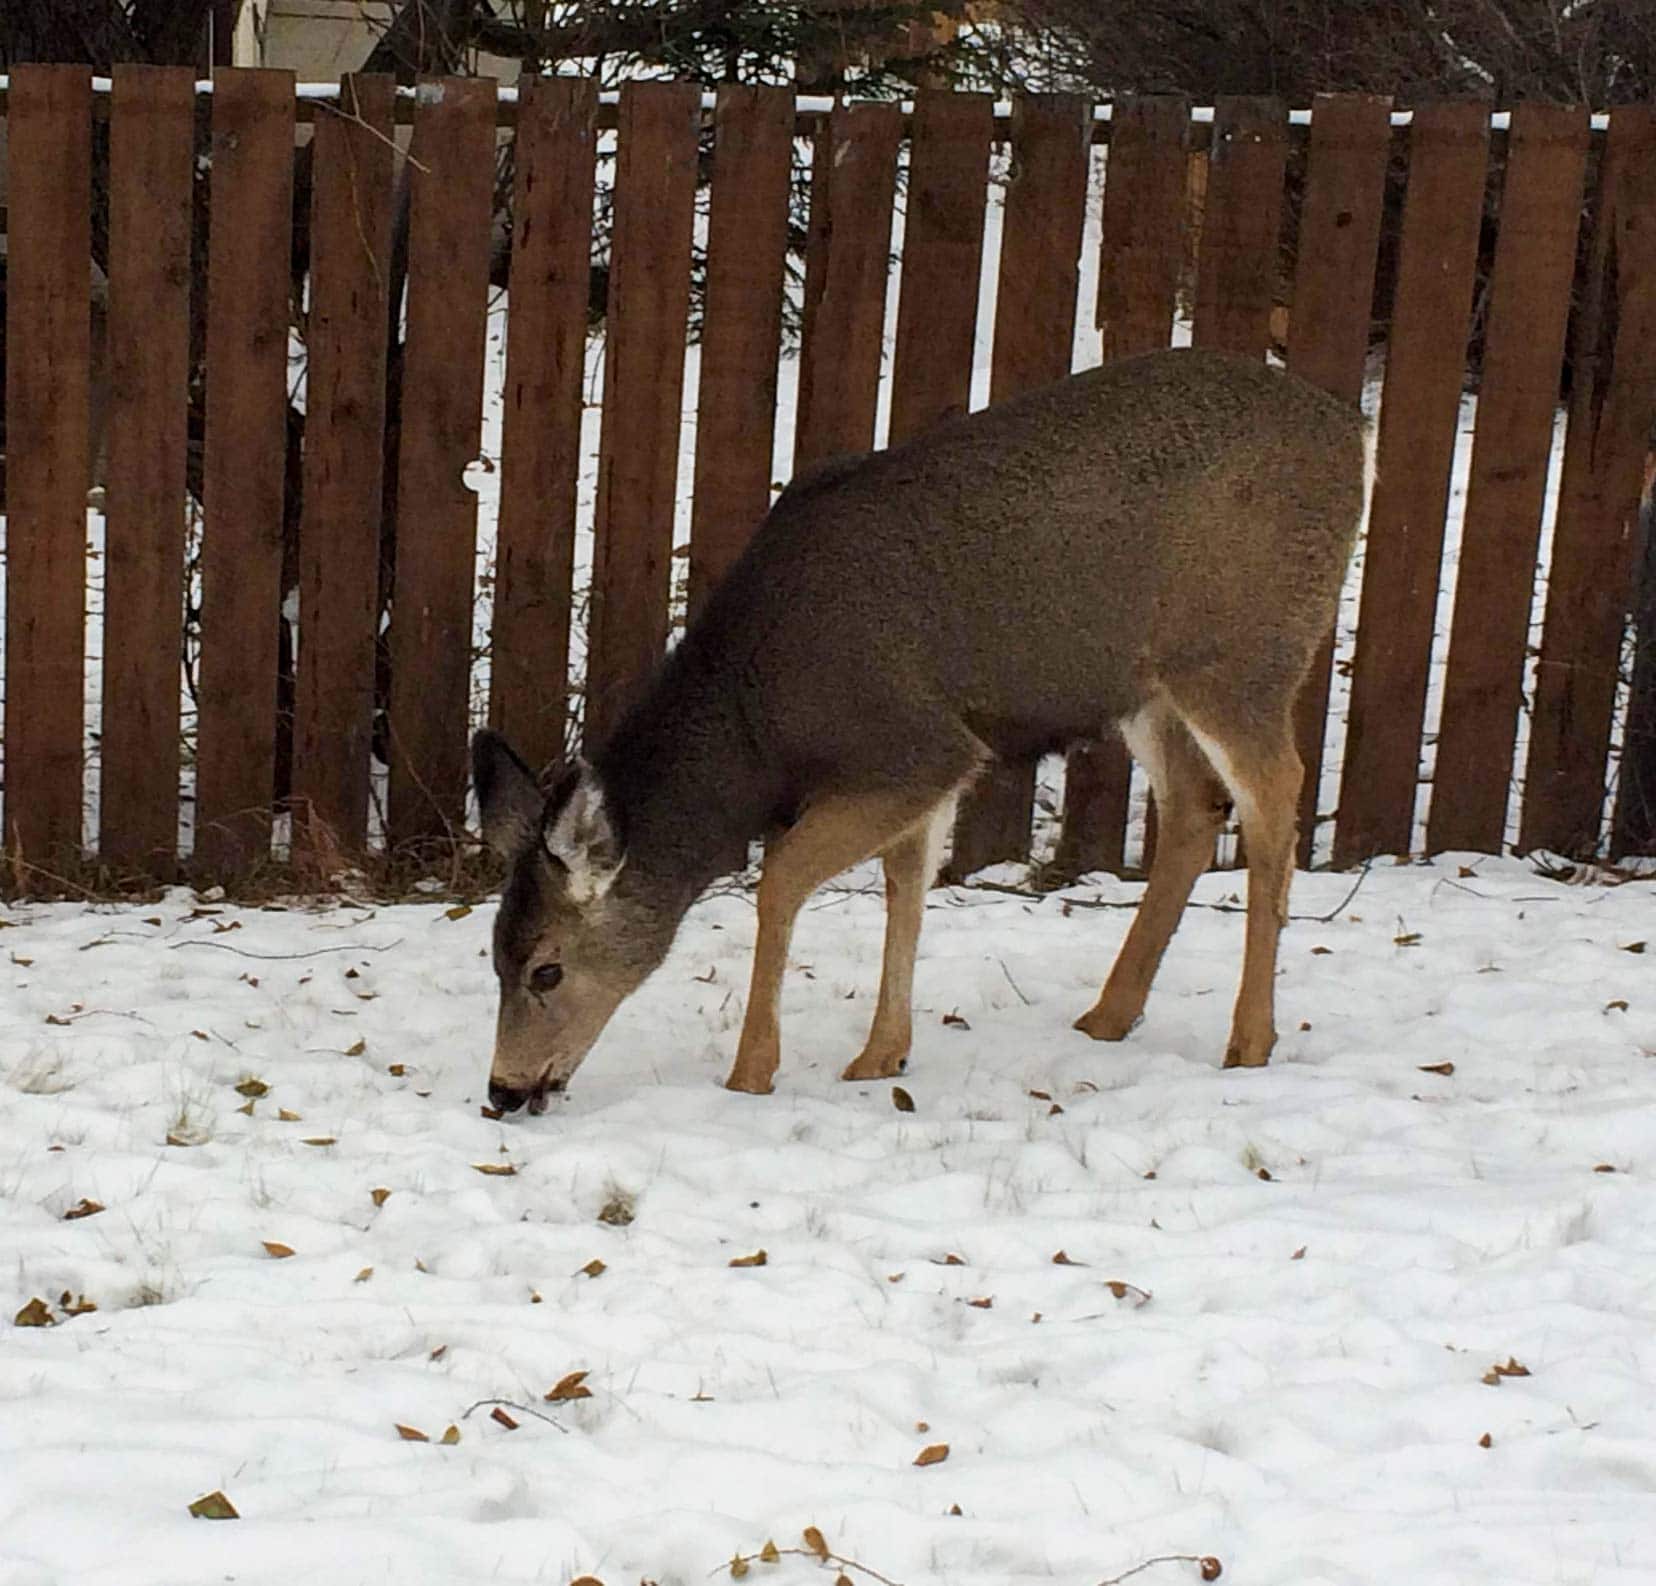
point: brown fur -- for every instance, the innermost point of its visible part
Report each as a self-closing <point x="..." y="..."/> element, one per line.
<point x="1158" y="543"/>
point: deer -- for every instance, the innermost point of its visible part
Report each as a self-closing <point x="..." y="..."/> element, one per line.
<point x="1155" y="546"/>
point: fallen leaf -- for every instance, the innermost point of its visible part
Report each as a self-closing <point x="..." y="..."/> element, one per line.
<point x="987" y="1303"/>
<point x="496" y="1169"/>
<point x="738" y="1566"/>
<point x="184" y="1141"/>
<point x="922" y="1426"/>
<point x="954" y="1508"/>
<point x="1618" y="1004"/>
<point x="1491" y="1379"/>
<point x="1211" y="1568"/>
<point x="396" y="1070"/>
<point x="1041" y="1095"/>
<point x="1054" y="1110"/>
<point x="1446" y="1069"/>
<point x="319" y="1139"/>
<point x="1603" y="1167"/>
<point x="1486" y="1441"/>
<point x="814" y="1541"/>
<point x="450" y="1437"/>
<point x="82" y="1208"/>
<point x="285" y="1116"/>
<point x="757" y="1259"/>
<point x="493" y="1114"/>
<point x="1062" y="1259"/>
<point x="411" y="1434"/>
<point x="932" y="1454"/>
<point x="572" y="1386"/>
<point x="1512" y="1369"/>
<point x="586" y="1580"/>
<point x="768" y="1554"/>
<point x="901" y="1100"/>
<point x="380" y="1196"/>
<point x="950" y="1260"/>
<point x="279" y="1251"/>
<point x="215" y="1506"/>
<point x="35" y="1314"/>
<point x="438" y="1352"/>
<point x="201" y="1035"/>
<point x="356" y="1048"/>
<point x="458" y="912"/>
<point x="955" y="1022"/>
<point x="595" y="1268"/>
<point x="246" y="1109"/>
<point x="1407" y="939"/>
<point x="1263" y="1173"/>
<point x="1321" y="952"/>
<point x="364" y="1275"/>
<point x="499" y="1415"/>
<point x="76" y="1307"/>
<point x="1634" y="947"/>
<point x="252" y="1088"/>
<point x="1298" y="1255"/>
<point x="1121" y="1291"/>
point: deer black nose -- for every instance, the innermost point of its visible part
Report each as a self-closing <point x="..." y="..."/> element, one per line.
<point x="505" y="1099"/>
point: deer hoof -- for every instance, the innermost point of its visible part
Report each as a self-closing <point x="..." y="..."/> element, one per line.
<point x="1105" y="1024"/>
<point x="877" y="1065"/>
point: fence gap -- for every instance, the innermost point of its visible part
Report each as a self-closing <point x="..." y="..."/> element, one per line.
<point x="1535" y="257"/>
<point x="1612" y="394"/>
<point x="649" y="298"/>
<point x="245" y="466"/>
<point x="1328" y="330"/>
<point x="554" y="158"/>
<point x="1419" y="417"/>
<point x="747" y="245"/>
<point x="339" y="535"/>
<point x="1046" y="209"/>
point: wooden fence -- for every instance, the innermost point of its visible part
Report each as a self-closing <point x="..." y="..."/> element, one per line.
<point x="1557" y="177"/>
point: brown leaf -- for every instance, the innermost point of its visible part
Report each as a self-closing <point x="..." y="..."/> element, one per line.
<point x="1407" y="939"/>
<point x="278" y="1251"/>
<point x="496" y="1169"/>
<point x="252" y="1088"/>
<point x="450" y="1437"/>
<point x="1321" y="952"/>
<point x="1491" y="1379"/>
<point x="1298" y="1255"/>
<point x="1211" y="1568"/>
<point x="1486" y="1441"/>
<point x="1140" y="1297"/>
<point x="1446" y="1069"/>
<point x="571" y="1386"/>
<point x="356" y="1048"/>
<point x="1263" y="1173"/>
<point x="76" y="1307"/>
<point x="954" y="1508"/>
<point x="35" y="1314"/>
<point x="214" y="1506"/>
<point x="380" y="1196"/>
<point x="814" y="1541"/>
<point x="738" y="1567"/>
<point x="458" y="912"/>
<point x="955" y="1022"/>
<point x="499" y="1415"/>
<point x="438" y="1352"/>
<point x="1512" y="1369"/>
<point x="82" y="1208"/>
<point x="493" y="1114"/>
<point x="319" y="1139"/>
<point x="950" y="1260"/>
<point x="1041" y="1095"/>
<point x="411" y="1434"/>
<point x="396" y="1070"/>
<point x="586" y="1580"/>
<point x="595" y="1268"/>
<point x="1603" y="1167"/>
<point x="364" y="1275"/>
<point x="987" y="1303"/>
<point x="246" y="1109"/>
<point x="1634" y="947"/>
<point x="932" y="1454"/>
<point x="768" y="1554"/>
<point x="183" y="1141"/>
<point x="901" y="1100"/>
<point x="285" y="1116"/>
<point x="1062" y="1259"/>
<point x="1618" y="1004"/>
<point x="757" y="1259"/>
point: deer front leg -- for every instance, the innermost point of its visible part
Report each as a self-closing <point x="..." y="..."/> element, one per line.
<point x="910" y="868"/>
<point x="828" y="838"/>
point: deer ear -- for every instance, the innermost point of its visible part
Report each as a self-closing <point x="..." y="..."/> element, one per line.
<point x="581" y="834"/>
<point x="508" y="797"/>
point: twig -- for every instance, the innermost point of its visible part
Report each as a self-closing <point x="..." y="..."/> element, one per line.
<point x="1012" y="983"/>
<point x="1340" y="907"/>
<point x="522" y="1409"/>
<point x="241" y="952"/>
<point x="1210" y="1566"/>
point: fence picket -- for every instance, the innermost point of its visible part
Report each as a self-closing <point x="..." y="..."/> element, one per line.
<point x="339" y="536"/>
<point x="48" y="333"/>
<point x="1236" y="268"/>
<point x="649" y="295"/>
<point x="451" y="177"/>
<point x="1138" y="283"/>
<point x="546" y="325"/>
<point x="1442" y="213"/>
<point x="848" y="260"/>
<point x="1040" y="267"/>
<point x="747" y="244"/>
<point x="1328" y="331"/>
<point x="151" y="168"/>
<point x="1535" y="256"/>
<point x="1590" y="585"/>
<point x="245" y="466"/>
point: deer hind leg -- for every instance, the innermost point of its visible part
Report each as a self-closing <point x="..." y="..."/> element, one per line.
<point x="1263" y="771"/>
<point x="1190" y="809"/>
<point x="910" y="868"/>
<point x="830" y="836"/>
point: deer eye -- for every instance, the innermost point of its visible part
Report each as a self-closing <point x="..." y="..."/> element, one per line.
<point x="545" y="977"/>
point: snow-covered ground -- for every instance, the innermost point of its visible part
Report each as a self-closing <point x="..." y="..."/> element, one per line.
<point x="1271" y="1336"/>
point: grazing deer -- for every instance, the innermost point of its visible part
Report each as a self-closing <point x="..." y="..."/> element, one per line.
<point x="1158" y="544"/>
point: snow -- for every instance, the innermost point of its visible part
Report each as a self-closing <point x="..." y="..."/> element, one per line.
<point x="1337" y="1251"/>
